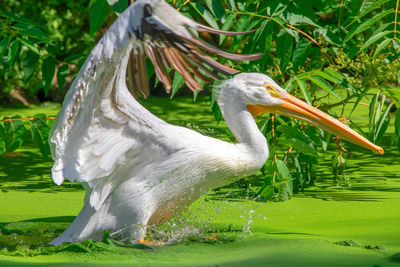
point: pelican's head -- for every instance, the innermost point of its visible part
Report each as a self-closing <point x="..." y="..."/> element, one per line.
<point x="261" y="94"/>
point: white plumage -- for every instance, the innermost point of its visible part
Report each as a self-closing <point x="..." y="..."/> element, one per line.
<point x="137" y="169"/>
<point x="122" y="154"/>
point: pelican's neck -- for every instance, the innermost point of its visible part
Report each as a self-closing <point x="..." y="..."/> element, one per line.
<point x="242" y="124"/>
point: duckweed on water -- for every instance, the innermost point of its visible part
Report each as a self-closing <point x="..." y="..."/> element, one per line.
<point x="352" y="243"/>
<point x="31" y="239"/>
<point x="30" y="245"/>
<point x="302" y="232"/>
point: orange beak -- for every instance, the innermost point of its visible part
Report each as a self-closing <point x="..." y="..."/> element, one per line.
<point x="296" y="108"/>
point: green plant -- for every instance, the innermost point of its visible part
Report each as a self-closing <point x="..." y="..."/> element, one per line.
<point x="336" y="55"/>
<point x="329" y="53"/>
<point x="13" y="133"/>
<point x="38" y="52"/>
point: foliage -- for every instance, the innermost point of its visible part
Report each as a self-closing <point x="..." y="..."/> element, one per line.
<point x="13" y="133"/>
<point x="333" y="54"/>
<point x="37" y="52"/>
<point x="330" y="53"/>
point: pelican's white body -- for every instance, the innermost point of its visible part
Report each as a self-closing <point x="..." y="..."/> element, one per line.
<point x="137" y="169"/>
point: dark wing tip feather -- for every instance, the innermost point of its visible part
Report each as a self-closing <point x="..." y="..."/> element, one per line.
<point x="159" y="67"/>
<point x="185" y="54"/>
<point x="220" y="52"/>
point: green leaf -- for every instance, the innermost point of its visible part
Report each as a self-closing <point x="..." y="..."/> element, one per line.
<point x="3" y="139"/>
<point x="282" y="169"/>
<point x="48" y="70"/>
<point x="366" y="7"/>
<point x="268" y="39"/>
<point x="303" y="87"/>
<point x="324" y="85"/>
<point x="18" y="18"/>
<point x="177" y="83"/>
<point x="339" y="78"/>
<point x="3" y="45"/>
<point x="298" y="19"/>
<point x="40" y="134"/>
<point x="397" y="127"/>
<point x="62" y="72"/>
<point x="30" y="63"/>
<point x="75" y="58"/>
<point x="98" y="14"/>
<point x="231" y="4"/>
<point x="259" y="33"/>
<point x="379" y="117"/>
<point x="285" y="185"/>
<point x="372" y="114"/>
<point x="29" y="44"/>
<point x="13" y="52"/>
<point x="366" y="24"/>
<point x="300" y="54"/>
<point x="381" y="46"/>
<point x="110" y="2"/>
<point x="276" y="8"/>
<point x="195" y="95"/>
<point x="33" y="32"/>
<point x="15" y="133"/>
<point x="242" y="23"/>
<point x="383" y="125"/>
<point x="328" y="76"/>
<point x="214" y="106"/>
<point x="284" y="46"/>
<point x="394" y="93"/>
<point x="301" y="146"/>
<point x="354" y="50"/>
<point x="397" y="123"/>
<point x="267" y="192"/>
<point x="205" y="14"/>
<point x="285" y="190"/>
<point x="216" y="8"/>
<point x="227" y="26"/>
<point x="216" y="112"/>
<point x="290" y="84"/>
<point x="118" y="6"/>
<point x="374" y="38"/>
<point x="366" y="4"/>
<point x="293" y="132"/>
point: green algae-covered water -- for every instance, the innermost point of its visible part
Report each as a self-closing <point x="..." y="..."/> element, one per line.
<point x="323" y="226"/>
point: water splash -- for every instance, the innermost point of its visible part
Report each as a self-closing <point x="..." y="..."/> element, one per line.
<point x="249" y="214"/>
<point x="200" y="224"/>
<point x="194" y="225"/>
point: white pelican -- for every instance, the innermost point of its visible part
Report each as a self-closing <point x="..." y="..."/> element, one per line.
<point x="139" y="170"/>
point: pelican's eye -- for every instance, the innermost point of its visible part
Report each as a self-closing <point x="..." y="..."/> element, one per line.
<point x="271" y="90"/>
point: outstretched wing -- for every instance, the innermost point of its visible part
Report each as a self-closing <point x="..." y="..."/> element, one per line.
<point x="102" y="135"/>
<point x="167" y="41"/>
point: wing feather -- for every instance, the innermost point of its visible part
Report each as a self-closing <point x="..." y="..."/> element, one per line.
<point x="161" y="73"/>
<point x="111" y="137"/>
<point x="142" y="71"/>
<point x="168" y="29"/>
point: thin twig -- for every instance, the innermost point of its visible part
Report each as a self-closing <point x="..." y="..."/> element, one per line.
<point x="184" y="4"/>
<point x="395" y="19"/>
<point x="305" y="34"/>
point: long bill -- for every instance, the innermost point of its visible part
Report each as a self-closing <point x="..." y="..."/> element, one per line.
<point x="296" y="108"/>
